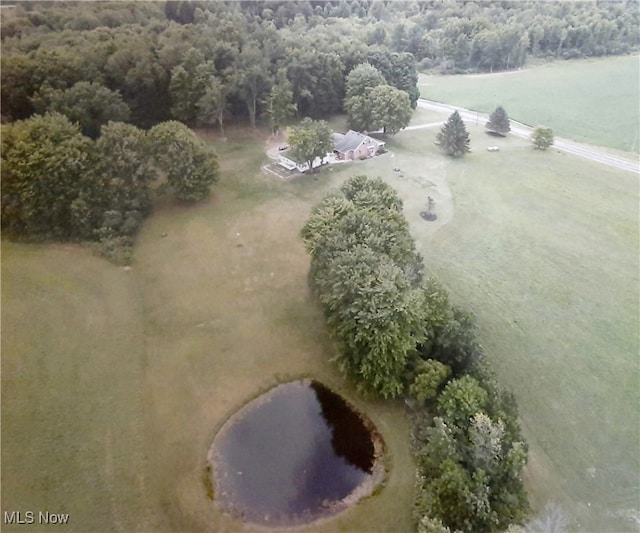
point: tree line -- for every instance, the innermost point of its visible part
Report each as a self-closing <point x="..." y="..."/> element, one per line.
<point x="60" y="184"/>
<point x="200" y="63"/>
<point x="398" y="335"/>
<point x="207" y="62"/>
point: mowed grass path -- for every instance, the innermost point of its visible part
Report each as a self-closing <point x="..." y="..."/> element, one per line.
<point x="595" y="101"/>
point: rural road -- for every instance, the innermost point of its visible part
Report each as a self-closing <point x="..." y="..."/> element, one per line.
<point x="521" y="130"/>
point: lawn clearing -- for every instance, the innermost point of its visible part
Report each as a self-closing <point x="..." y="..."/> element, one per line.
<point x="208" y="317"/>
<point x="594" y="101"/>
<point x="73" y="360"/>
<point x="543" y="247"/>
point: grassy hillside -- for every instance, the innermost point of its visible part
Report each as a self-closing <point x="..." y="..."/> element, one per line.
<point x="594" y="101"/>
<point x="114" y="382"/>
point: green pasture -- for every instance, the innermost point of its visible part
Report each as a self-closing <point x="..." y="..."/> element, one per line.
<point x="543" y="248"/>
<point x="595" y="101"/>
<point x="114" y="381"/>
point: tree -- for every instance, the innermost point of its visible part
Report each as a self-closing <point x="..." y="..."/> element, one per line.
<point x="361" y="79"/>
<point x="486" y="438"/>
<point x="124" y="167"/>
<point x="191" y="165"/>
<point x="429" y="376"/>
<point x="498" y="123"/>
<point x="390" y="108"/>
<point x="46" y="165"/>
<point x="373" y="314"/>
<point x="542" y="138"/>
<point x="361" y="252"/>
<point x="382" y="107"/>
<point x="310" y="139"/>
<point x="213" y="103"/>
<point x="461" y="399"/>
<point x="453" y="138"/>
<point x="359" y="113"/>
<point x="253" y="78"/>
<point x="279" y="106"/>
<point x="87" y="103"/>
<point x="189" y="82"/>
<point x="399" y="69"/>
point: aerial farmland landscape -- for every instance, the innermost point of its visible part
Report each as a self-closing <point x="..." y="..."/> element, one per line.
<point x="320" y="266"/>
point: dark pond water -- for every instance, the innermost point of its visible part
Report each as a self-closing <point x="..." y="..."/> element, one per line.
<point x="297" y="453"/>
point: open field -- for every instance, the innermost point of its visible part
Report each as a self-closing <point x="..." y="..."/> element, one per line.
<point x="114" y="382"/>
<point x="594" y="101"/>
<point x="73" y="361"/>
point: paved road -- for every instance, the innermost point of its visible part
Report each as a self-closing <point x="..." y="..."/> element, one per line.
<point x="522" y="130"/>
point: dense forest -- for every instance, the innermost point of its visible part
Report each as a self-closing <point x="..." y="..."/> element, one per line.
<point x="150" y="62"/>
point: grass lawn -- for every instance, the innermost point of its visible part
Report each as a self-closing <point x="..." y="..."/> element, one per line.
<point x="595" y="101"/>
<point x="543" y="248"/>
<point x="114" y="382"/>
<point x="73" y="360"/>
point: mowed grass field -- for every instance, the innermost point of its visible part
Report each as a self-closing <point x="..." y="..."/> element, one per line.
<point x="594" y="101"/>
<point x="543" y="248"/>
<point x="114" y="381"/>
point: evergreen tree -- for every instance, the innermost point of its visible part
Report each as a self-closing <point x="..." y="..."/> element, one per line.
<point x="498" y="123"/>
<point x="453" y="139"/>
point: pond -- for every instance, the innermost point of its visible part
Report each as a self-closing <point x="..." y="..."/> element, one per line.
<point x="298" y="453"/>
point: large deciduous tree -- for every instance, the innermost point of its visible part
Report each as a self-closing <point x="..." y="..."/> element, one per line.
<point x="191" y="165"/>
<point x="382" y="107"/>
<point x="498" y="123"/>
<point x="390" y="108"/>
<point x="46" y="164"/>
<point x="253" y="78"/>
<point x="364" y="272"/>
<point x="89" y="104"/>
<point x="309" y="140"/>
<point x="453" y="138"/>
<point x="189" y="82"/>
<point x="361" y="79"/>
<point x="124" y="166"/>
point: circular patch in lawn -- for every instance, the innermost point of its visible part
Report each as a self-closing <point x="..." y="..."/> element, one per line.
<point x="428" y="216"/>
<point x="296" y="454"/>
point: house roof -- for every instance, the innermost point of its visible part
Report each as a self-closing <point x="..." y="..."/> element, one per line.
<point x="351" y="141"/>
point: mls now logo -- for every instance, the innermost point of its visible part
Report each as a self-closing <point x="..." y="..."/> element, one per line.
<point x="29" y="517"/>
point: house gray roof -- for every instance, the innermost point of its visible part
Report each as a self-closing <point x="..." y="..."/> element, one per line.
<point x="350" y="141"/>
